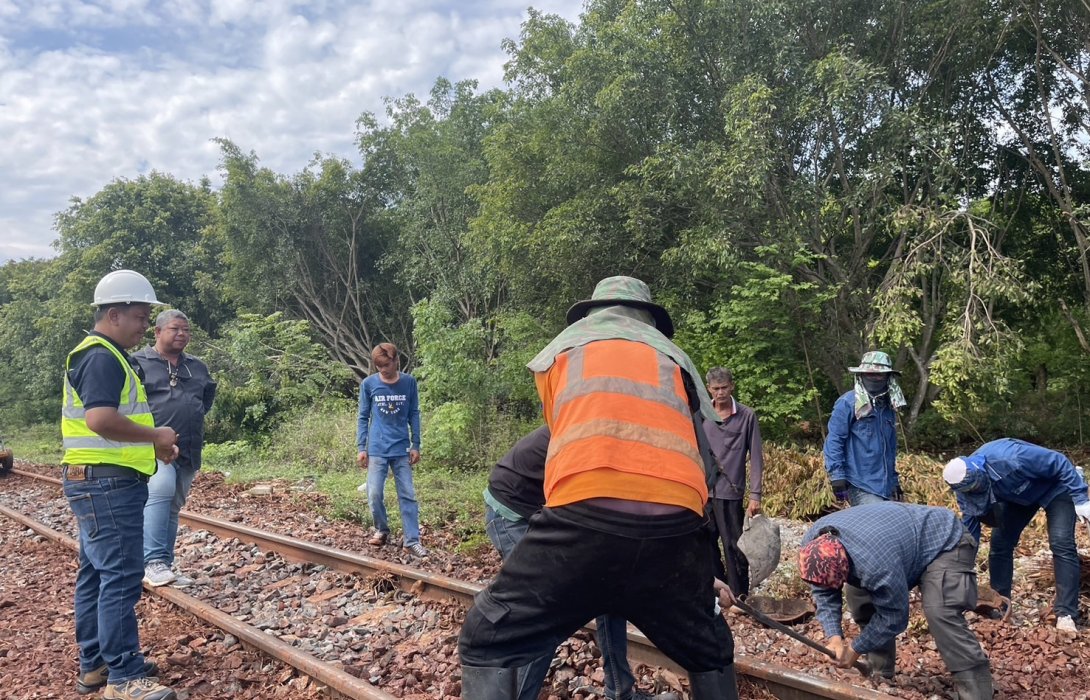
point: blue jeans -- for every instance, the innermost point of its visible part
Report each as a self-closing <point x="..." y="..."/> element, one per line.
<point x="1060" y="517"/>
<point x="377" y="468"/>
<point x="612" y="631"/>
<point x="167" y="491"/>
<point x="859" y="497"/>
<point x="110" y="513"/>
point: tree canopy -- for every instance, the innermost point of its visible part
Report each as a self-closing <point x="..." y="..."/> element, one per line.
<point x="797" y="182"/>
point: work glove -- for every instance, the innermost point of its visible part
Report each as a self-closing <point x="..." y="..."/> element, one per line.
<point x="840" y="489"/>
<point x="1083" y="511"/>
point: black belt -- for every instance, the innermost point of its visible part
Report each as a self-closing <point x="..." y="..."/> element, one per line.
<point x="82" y="472"/>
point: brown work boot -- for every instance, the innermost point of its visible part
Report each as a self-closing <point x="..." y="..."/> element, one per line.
<point x="139" y="689"/>
<point x="90" y="681"/>
<point x="378" y="539"/>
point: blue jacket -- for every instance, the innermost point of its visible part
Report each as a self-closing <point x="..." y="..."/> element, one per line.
<point x="1023" y="473"/>
<point x="863" y="452"/>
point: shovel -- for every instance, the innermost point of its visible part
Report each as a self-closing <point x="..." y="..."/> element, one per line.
<point x="767" y="621"/>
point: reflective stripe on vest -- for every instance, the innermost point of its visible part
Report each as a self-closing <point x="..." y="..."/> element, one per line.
<point x="622" y="405"/>
<point x="84" y="446"/>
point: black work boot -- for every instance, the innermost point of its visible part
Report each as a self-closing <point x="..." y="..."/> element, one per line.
<point x="489" y="683"/>
<point x="974" y="684"/>
<point x="714" y="685"/>
<point x="883" y="662"/>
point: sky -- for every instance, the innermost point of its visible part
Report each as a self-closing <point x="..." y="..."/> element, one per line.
<point x="95" y="90"/>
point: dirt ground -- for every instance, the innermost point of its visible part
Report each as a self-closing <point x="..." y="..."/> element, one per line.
<point x="1031" y="660"/>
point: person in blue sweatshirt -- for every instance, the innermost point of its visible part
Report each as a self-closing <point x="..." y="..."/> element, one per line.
<point x="388" y="439"/>
<point x="1003" y="484"/>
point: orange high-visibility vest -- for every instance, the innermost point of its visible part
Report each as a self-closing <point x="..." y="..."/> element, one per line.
<point x="621" y="427"/>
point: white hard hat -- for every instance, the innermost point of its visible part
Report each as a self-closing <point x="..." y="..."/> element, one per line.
<point x="955" y="470"/>
<point x="124" y="287"/>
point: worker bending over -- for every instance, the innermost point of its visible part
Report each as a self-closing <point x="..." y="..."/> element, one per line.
<point x="876" y="553"/>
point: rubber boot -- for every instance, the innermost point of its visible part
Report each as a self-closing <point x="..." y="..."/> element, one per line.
<point x="489" y="683"/>
<point x="714" y="685"/>
<point x="974" y="684"/>
<point x="883" y="662"/>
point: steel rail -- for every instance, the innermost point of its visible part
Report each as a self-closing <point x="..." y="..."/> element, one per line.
<point x="338" y="681"/>
<point x="783" y="682"/>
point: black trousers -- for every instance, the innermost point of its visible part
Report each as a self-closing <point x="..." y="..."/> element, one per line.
<point x="730" y="516"/>
<point x="563" y="574"/>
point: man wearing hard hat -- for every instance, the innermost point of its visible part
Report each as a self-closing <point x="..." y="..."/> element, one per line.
<point x="110" y="447"/>
<point x="1003" y="484"/>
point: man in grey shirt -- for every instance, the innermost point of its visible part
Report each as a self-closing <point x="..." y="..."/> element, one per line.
<point x="180" y="392"/>
<point x="733" y="439"/>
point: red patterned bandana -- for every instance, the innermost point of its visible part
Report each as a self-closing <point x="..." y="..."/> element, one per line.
<point x="823" y="561"/>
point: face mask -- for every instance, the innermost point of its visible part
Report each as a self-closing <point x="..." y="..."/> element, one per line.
<point x="876" y="387"/>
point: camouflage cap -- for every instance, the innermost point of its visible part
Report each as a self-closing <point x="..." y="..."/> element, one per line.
<point x="875" y="361"/>
<point x="626" y="291"/>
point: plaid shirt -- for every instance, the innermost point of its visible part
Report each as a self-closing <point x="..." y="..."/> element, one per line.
<point x="889" y="545"/>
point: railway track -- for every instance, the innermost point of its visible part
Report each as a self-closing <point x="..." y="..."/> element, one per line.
<point x="782" y="682"/>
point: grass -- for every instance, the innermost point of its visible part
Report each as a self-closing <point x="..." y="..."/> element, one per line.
<point x="320" y="446"/>
<point x="40" y="443"/>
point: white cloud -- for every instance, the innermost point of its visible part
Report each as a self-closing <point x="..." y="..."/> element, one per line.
<point x="93" y="91"/>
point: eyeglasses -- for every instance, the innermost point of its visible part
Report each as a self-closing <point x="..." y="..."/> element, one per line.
<point x="174" y="372"/>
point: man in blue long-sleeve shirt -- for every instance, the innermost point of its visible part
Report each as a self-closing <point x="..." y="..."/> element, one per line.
<point x="877" y="553"/>
<point x="861" y="447"/>
<point x="388" y="439"/>
<point x="1004" y="484"/>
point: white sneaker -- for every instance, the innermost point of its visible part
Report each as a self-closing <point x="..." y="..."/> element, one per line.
<point x="1064" y="623"/>
<point x="157" y="573"/>
<point x="362" y="488"/>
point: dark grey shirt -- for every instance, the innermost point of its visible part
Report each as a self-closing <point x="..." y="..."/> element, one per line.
<point x="732" y="441"/>
<point x="182" y="406"/>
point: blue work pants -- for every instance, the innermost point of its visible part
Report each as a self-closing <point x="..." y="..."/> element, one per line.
<point x="377" y="469"/>
<point x="1060" y="518"/>
<point x="110" y="512"/>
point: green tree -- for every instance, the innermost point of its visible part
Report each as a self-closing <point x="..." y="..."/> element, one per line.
<point x="154" y="224"/>
<point x="428" y="158"/>
<point x="268" y="368"/>
<point x="313" y="245"/>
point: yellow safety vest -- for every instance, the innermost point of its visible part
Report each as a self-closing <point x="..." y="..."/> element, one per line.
<point x="84" y="446"/>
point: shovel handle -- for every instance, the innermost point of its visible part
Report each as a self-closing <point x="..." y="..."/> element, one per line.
<point x="860" y="666"/>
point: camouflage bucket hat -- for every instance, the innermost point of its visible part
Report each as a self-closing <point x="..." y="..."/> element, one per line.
<point x="626" y="291"/>
<point x="875" y="361"/>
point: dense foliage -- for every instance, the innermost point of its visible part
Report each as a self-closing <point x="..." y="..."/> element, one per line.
<point x="799" y="182"/>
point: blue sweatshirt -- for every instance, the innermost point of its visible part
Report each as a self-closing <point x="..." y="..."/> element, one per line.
<point x="863" y="452"/>
<point x="388" y="412"/>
